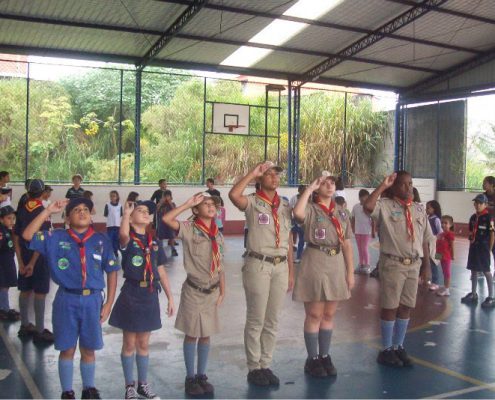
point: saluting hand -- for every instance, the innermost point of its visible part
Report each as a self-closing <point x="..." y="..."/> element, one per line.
<point x="57" y="206"/>
<point x="388" y="181"/>
<point x="315" y="185"/>
<point x="261" y="168"/>
<point x="195" y="200"/>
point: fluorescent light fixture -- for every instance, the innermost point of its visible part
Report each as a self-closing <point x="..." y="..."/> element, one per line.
<point x="279" y="31"/>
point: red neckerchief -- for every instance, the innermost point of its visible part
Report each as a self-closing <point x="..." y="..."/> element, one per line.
<point x="274" y="204"/>
<point x="148" y="267"/>
<point x="476" y="221"/>
<point x="82" y="250"/>
<point x="407" y="208"/>
<point x="329" y="212"/>
<point x="211" y="233"/>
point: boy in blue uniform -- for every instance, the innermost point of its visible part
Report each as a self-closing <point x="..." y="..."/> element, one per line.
<point x="33" y="273"/>
<point x="481" y="237"/>
<point x="8" y="272"/>
<point x="77" y="258"/>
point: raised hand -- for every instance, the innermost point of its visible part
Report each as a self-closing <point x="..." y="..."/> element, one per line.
<point x="388" y="181"/>
<point x="57" y="206"/>
<point x="195" y="200"/>
<point x="261" y="168"/>
<point x="315" y="185"/>
<point x="128" y="208"/>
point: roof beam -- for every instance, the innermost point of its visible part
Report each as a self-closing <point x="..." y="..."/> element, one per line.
<point x="341" y="27"/>
<point x="450" y="73"/>
<point x="461" y="14"/>
<point x="116" y="28"/>
<point x="172" y="30"/>
<point x="369" y="40"/>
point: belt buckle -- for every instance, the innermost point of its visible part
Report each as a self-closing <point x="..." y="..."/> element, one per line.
<point x="276" y="260"/>
<point x="333" y="252"/>
<point x="86" y="292"/>
<point x="143" y="283"/>
<point x="406" y="261"/>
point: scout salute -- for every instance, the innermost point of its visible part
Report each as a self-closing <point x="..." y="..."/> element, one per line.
<point x="404" y="234"/>
<point x="267" y="273"/>
<point x="137" y="309"/>
<point x="204" y="288"/>
<point x="76" y="258"/>
<point x="326" y="273"/>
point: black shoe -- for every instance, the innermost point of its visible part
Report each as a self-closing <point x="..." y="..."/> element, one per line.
<point x="374" y="273"/>
<point x="69" y="394"/>
<point x="144" y="390"/>
<point x="327" y="363"/>
<point x="402" y="355"/>
<point x="193" y="388"/>
<point x="205" y="385"/>
<point x="488" y="303"/>
<point x="174" y="253"/>
<point x="470" y="298"/>
<point x="13" y="315"/>
<point x="43" y="338"/>
<point x="272" y="378"/>
<point x="90" y="393"/>
<point x="258" y="378"/>
<point x="26" y="331"/>
<point x="314" y="367"/>
<point x="389" y="357"/>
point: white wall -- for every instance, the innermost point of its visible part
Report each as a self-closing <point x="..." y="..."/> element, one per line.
<point x="457" y="204"/>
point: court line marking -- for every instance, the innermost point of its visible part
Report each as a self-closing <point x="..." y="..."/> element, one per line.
<point x="459" y="392"/>
<point x="21" y="367"/>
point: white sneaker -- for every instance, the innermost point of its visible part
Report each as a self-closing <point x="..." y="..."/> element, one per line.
<point x="297" y="261"/>
<point x="433" y="286"/>
<point x="443" y="292"/>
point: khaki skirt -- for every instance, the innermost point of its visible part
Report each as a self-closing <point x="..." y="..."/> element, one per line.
<point x="198" y="312"/>
<point x="320" y="277"/>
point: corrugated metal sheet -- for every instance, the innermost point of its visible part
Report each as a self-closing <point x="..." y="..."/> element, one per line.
<point x="193" y="51"/>
<point x="286" y="62"/>
<point x="272" y="6"/>
<point x="482" y="8"/>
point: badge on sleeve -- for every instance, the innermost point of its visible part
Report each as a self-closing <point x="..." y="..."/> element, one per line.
<point x="320" y="233"/>
<point x="263" y="219"/>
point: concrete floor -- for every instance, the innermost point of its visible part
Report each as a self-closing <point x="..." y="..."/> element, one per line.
<point x="452" y="345"/>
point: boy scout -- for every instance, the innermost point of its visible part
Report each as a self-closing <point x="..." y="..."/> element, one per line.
<point x="76" y="258"/>
<point x="404" y="234"/>
<point x="268" y="270"/>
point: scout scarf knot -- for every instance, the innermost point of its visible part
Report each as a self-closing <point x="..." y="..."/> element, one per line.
<point x="329" y="212"/>
<point x="274" y="204"/>
<point x="476" y="223"/>
<point x="82" y="250"/>
<point x="211" y="233"/>
<point x="407" y="208"/>
<point x="146" y="249"/>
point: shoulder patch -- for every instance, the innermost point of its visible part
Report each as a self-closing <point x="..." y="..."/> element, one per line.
<point x="32" y="205"/>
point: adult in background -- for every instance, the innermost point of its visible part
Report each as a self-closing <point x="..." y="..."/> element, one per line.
<point x="268" y="272"/>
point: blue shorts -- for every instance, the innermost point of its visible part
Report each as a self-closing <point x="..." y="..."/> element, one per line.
<point x="77" y="317"/>
<point x="39" y="282"/>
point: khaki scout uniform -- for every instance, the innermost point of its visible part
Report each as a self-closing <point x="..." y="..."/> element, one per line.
<point x="400" y="257"/>
<point x="265" y="283"/>
<point x="198" y="315"/>
<point x="322" y="273"/>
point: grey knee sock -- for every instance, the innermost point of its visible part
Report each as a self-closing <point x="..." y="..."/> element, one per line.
<point x="311" y="340"/>
<point x="23" y="309"/>
<point x="474" y="281"/>
<point x="39" y="313"/>
<point x="324" y="340"/>
<point x="489" y="282"/>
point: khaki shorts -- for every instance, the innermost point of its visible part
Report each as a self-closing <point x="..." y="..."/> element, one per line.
<point x="398" y="283"/>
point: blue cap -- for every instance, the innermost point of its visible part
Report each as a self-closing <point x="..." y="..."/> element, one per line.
<point x="6" y="210"/>
<point x="150" y="205"/>
<point x="36" y="186"/>
<point x="481" y="198"/>
<point x="75" y="202"/>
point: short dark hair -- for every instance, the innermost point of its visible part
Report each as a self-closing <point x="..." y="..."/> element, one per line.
<point x="132" y="196"/>
<point x="87" y="194"/>
<point x="436" y="207"/>
<point x="167" y="193"/>
<point x="78" y="176"/>
<point x="3" y="174"/>
<point x="48" y="188"/>
<point x="340" y="200"/>
<point x="161" y="181"/>
<point x="211" y="180"/>
<point x="489" y="179"/>
<point x="363" y="192"/>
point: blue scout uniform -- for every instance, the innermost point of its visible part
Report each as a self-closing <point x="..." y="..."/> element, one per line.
<point x="137" y="308"/>
<point x="479" y="249"/>
<point x="76" y="310"/>
<point x="8" y="272"/>
<point x="40" y="280"/>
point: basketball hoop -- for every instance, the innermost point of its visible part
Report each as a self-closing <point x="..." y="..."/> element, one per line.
<point x="232" y="127"/>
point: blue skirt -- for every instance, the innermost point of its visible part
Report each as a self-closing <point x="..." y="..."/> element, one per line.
<point x="137" y="309"/>
<point x="479" y="257"/>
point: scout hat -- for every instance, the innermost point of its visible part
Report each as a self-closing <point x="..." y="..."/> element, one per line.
<point x="150" y="205"/>
<point x="6" y="210"/>
<point x="481" y="198"/>
<point x="75" y="202"/>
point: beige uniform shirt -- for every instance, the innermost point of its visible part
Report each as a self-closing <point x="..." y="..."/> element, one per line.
<point x="198" y="254"/>
<point x="261" y="228"/>
<point x="390" y="217"/>
<point x="319" y="230"/>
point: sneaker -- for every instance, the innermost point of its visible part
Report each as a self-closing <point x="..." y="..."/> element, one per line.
<point x="270" y="376"/>
<point x="258" y="378"/>
<point x="144" y="389"/>
<point x="443" y="292"/>
<point x="488" y="303"/>
<point x="374" y="273"/>
<point x="314" y="367"/>
<point x="389" y="357"/>
<point x="205" y="385"/>
<point x="470" y="298"/>
<point x="433" y="287"/>
<point x="130" y="392"/>
<point x="90" y="393"/>
<point x="45" y="337"/>
<point x="297" y="261"/>
<point x="68" y="394"/>
<point x="13" y="315"/>
<point x="402" y="356"/>
<point x="26" y="330"/>
<point x="174" y="253"/>
<point x="193" y="388"/>
<point x="326" y="361"/>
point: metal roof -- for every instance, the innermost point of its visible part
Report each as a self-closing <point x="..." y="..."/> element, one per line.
<point x="399" y="45"/>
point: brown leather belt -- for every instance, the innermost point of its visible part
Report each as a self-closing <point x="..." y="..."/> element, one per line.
<point x="403" y="260"/>
<point x="201" y="289"/>
<point x="273" y="260"/>
<point x="331" y="251"/>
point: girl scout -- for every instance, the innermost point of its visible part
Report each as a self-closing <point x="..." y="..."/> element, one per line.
<point x="77" y="258"/>
<point x="137" y="309"/>
<point x="204" y="288"/>
<point x="404" y="233"/>
<point x="326" y="273"/>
